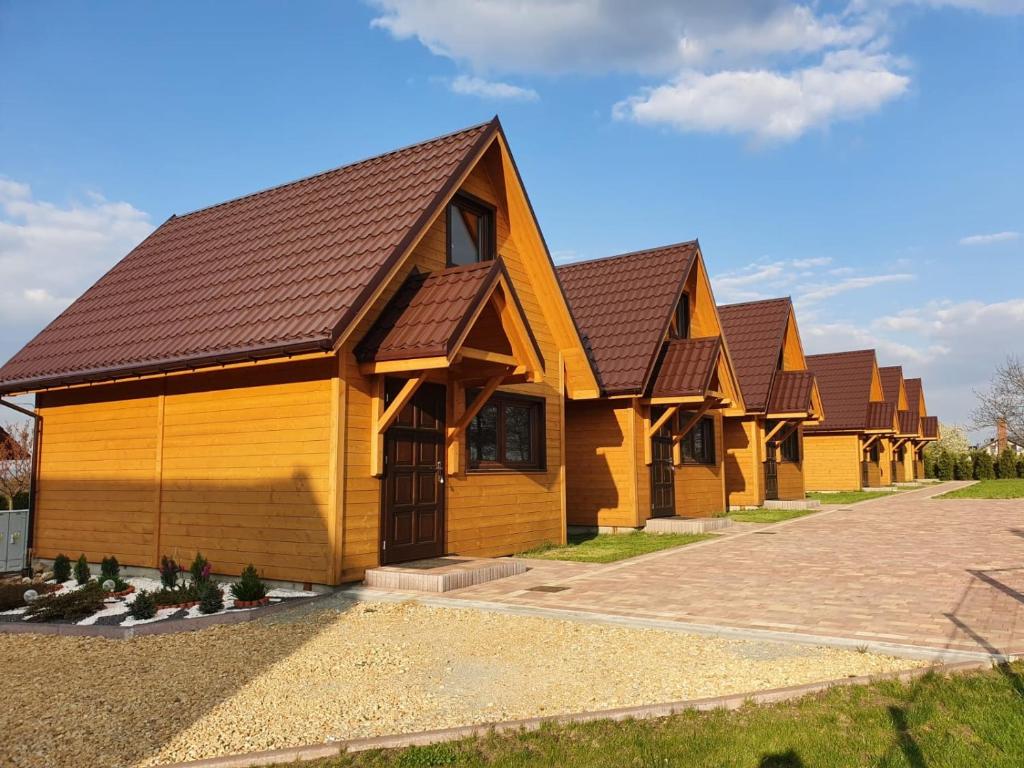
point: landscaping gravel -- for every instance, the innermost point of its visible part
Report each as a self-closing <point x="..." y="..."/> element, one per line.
<point x="368" y="669"/>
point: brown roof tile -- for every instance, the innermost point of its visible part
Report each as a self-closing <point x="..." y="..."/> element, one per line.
<point x="284" y="269"/>
<point x="687" y="367"/>
<point x="754" y="332"/>
<point x="791" y="392"/>
<point x="913" y="387"/>
<point x="930" y="426"/>
<point x="880" y="415"/>
<point x="844" y="381"/>
<point x="428" y="312"/>
<point x="910" y="423"/>
<point x="622" y="306"/>
<point x="891" y="377"/>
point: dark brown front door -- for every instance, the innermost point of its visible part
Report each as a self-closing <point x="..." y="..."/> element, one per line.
<point x="413" y="524"/>
<point x="663" y="486"/>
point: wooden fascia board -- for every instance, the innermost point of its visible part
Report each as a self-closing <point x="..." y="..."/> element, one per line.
<point x="817" y="404"/>
<point x="404" y="366"/>
<point x="564" y="325"/>
<point x="365" y="302"/>
<point x="790" y="416"/>
<point x="514" y="324"/>
<point x="682" y="400"/>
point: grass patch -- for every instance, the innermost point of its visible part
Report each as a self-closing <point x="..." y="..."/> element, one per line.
<point x="849" y="497"/>
<point x="960" y="721"/>
<point x="989" y="489"/>
<point x="768" y="515"/>
<point x="609" y="547"/>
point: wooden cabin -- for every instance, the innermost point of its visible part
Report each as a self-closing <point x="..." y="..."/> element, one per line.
<point x="652" y="445"/>
<point x="764" y="447"/>
<point x="927" y="428"/>
<point x="842" y="452"/>
<point x="897" y="449"/>
<point x="365" y="366"/>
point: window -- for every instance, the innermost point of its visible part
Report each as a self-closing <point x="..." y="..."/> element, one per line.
<point x="698" y="447"/>
<point x="470" y="231"/>
<point x="789" y="449"/>
<point x="681" y="319"/>
<point x="507" y="433"/>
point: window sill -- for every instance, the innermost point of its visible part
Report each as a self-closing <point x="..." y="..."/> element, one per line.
<point x="506" y="471"/>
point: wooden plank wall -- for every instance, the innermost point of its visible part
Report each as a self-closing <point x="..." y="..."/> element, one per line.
<point x="488" y="514"/>
<point x="600" y="457"/>
<point x="700" y="488"/>
<point x="231" y="463"/>
<point x="831" y="462"/>
<point x="744" y="467"/>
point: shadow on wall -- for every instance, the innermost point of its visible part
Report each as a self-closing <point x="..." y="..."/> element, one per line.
<point x="592" y="492"/>
<point x="279" y="524"/>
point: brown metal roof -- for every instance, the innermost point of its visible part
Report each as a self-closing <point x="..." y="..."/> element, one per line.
<point x="844" y="381"/>
<point x="280" y="271"/>
<point x="880" y="415"/>
<point x="791" y="392"/>
<point x="754" y="332"/>
<point x="913" y="387"/>
<point x="930" y="427"/>
<point x="430" y="311"/>
<point x="892" y="376"/>
<point x="687" y="367"/>
<point x="910" y="423"/>
<point x="623" y="306"/>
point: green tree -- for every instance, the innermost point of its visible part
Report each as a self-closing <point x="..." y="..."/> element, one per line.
<point x="984" y="467"/>
<point x="964" y="469"/>
<point x="929" y="464"/>
<point x="944" y="465"/>
<point x="1006" y="467"/>
<point x="1020" y="466"/>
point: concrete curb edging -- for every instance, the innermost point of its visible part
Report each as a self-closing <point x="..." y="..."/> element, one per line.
<point x="166" y="627"/>
<point x="642" y="712"/>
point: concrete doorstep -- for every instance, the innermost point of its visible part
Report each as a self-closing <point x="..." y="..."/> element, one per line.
<point x="422" y="738"/>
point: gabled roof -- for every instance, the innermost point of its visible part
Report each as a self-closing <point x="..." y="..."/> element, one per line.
<point x="913" y="387"/>
<point x="282" y="271"/>
<point x="687" y="368"/>
<point x="910" y="423"/>
<point x="431" y="313"/>
<point x="755" y="332"/>
<point x="892" y="379"/>
<point x="623" y="306"/>
<point x="792" y="392"/>
<point x="844" y="380"/>
<point x="930" y="427"/>
<point x="880" y="416"/>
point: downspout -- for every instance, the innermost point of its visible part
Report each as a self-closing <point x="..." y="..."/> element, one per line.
<point x="37" y="423"/>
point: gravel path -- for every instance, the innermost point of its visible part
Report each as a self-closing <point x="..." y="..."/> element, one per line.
<point x="371" y="669"/>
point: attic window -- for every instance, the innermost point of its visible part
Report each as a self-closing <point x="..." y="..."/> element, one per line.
<point x="471" y="235"/>
<point x="681" y="318"/>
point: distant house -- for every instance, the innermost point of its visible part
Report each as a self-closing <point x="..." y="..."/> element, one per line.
<point x="764" y="448"/>
<point x="652" y="445"/>
<point x="1001" y="442"/>
<point x="898" y="462"/>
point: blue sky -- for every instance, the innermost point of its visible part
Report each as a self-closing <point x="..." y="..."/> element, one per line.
<point x="864" y="157"/>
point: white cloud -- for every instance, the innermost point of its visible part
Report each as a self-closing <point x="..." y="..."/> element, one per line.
<point x="771" y="106"/>
<point x="818" y="261"/>
<point x="491" y="89"/>
<point x="996" y="237"/>
<point x="813" y="293"/>
<point x="50" y="253"/>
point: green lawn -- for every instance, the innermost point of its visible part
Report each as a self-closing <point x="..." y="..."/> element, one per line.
<point x="968" y="721"/>
<point x="849" y="497"/>
<point x="609" y="547"/>
<point x="768" y="515"/>
<point x="989" y="489"/>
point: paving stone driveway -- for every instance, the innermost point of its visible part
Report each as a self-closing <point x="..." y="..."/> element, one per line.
<point x="908" y="569"/>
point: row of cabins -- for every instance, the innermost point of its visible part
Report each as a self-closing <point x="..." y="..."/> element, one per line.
<point x="381" y="363"/>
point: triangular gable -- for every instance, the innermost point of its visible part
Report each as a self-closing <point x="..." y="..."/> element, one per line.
<point x="893" y="387"/>
<point x="848" y="382"/>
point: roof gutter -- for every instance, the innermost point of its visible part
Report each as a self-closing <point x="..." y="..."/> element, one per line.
<point x="37" y="428"/>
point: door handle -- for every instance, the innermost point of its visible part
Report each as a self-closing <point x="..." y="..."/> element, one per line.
<point x="439" y="468"/>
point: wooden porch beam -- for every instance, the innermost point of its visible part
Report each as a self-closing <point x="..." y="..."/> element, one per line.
<point x="402" y="399"/>
<point x="677" y="437"/>
<point x="472" y="353"/>
<point x="868" y="442"/>
<point x="775" y="430"/>
<point x="652" y="430"/>
<point x="462" y="415"/>
<point x="403" y="366"/>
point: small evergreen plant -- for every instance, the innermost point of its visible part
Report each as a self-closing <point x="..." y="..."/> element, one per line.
<point x="249" y="587"/>
<point x="82" y="572"/>
<point x="944" y="465"/>
<point x="169" y="571"/>
<point x="110" y="569"/>
<point x="1020" y="466"/>
<point x="211" y="598"/>
<point x="984" y="467"/>
<point x="143" y="606"/>
<point x="964" y="468"/>
<point x="200" y="570"/>
<point x="1006" y="467"/>
<point x="61" y="568"/>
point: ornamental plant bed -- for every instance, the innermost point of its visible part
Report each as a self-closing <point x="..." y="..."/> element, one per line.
<point x="252" y="603"/>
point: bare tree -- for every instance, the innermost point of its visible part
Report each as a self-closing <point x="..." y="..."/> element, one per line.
<point x="1004" y="399"/>
<point x="15" y="460"/>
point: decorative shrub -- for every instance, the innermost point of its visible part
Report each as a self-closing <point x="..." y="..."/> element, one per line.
<point x="183" y="593"/>
<point x="964" y="468"/>
<point x="82" y="572"/>
<point x="249" y="587"/>
<point x="200" y="569"/>
<point x="211" y="597"/>
<point x="929" y="464"/>
<point x="944" y="465"/>
<point x="69" y="606"/>
<point x="1006" y="467"/>
<point x="1020" y="467"/>
<point x="143" y="606"/>
<point x="61" y="568"/>
<point x="13" y="595"/>
<point x="110" y="569"/>
<point x="984" y="467"/>
<point x="169" y="571"/>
